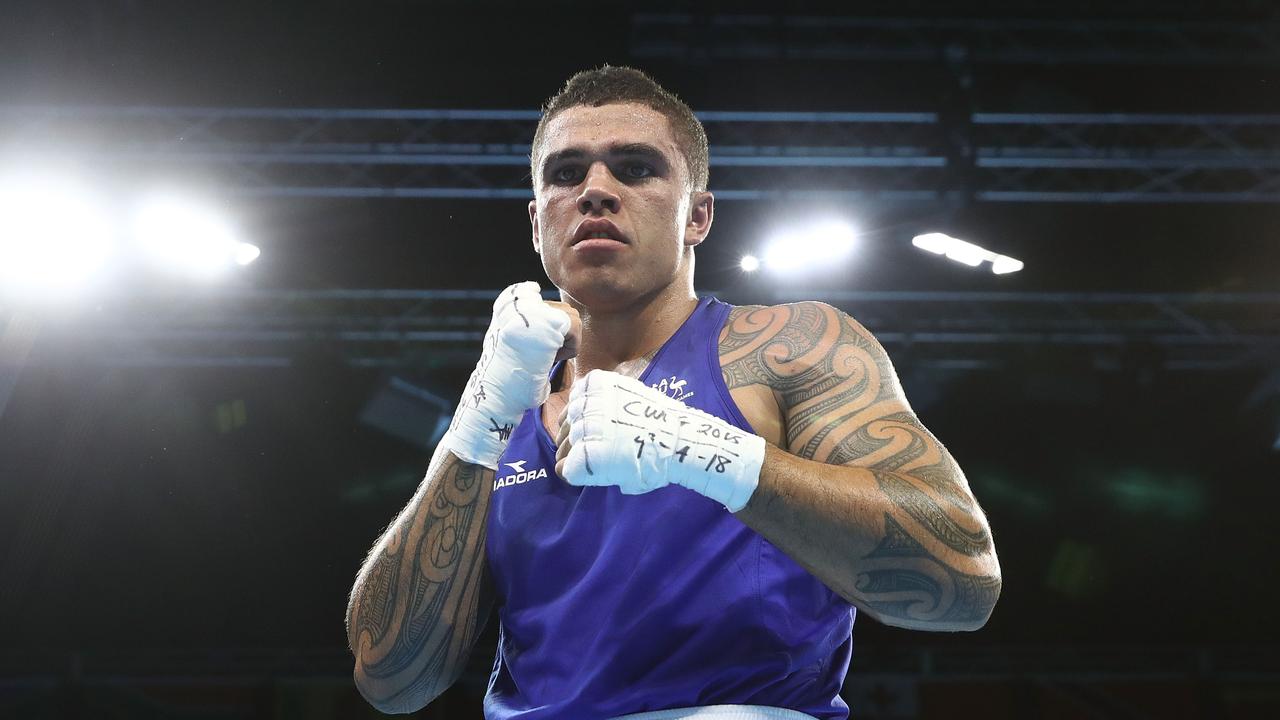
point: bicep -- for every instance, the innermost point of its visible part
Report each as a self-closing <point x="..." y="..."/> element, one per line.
<point x="925" y="558"/>
<point x="848" y="408"/>
<point x="842" y="402"/>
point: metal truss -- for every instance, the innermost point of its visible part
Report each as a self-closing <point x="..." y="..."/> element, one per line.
<point x="439" y="329"/>
<point x="311" y="153"/>
<point x="474" y="153"/>
<point x="1051" y="41"/>
<point x="1124" y="158"/>
<point x="755" y="155"/>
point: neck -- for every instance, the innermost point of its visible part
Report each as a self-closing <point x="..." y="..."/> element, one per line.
<point x="620" y="335"/>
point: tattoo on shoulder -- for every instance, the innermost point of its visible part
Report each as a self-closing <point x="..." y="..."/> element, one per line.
<point x="824" y="367"/>
<point x="838" y="391"/>
<point x="843" y="405"/>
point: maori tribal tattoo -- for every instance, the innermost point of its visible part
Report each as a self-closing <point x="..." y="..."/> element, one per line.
<point x="842" y="405"/>
<point x="415" y="613"/>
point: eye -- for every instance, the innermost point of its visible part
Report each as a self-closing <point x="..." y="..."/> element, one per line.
<point x="565" y="174"/>
<point x="637" y="170"/>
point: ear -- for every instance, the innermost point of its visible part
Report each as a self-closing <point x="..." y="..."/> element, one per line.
<point x="701" y="212"/>
<point x="533" y="221"/>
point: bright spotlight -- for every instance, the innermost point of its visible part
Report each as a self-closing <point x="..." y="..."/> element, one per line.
<point x="818" y="246"/>
<point x="1003" y="264"/>
<point x="54" y="236"/>
<point x="936" y="243"/>
<point x="750" y="263"/>
<point x="246" y="253"/>
<point x="965" y="253"/>
<point x="189" y="237"/>
<point x="781" y="255"/>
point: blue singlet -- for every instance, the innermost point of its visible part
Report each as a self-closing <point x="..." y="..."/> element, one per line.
<point x="613" y="604"/>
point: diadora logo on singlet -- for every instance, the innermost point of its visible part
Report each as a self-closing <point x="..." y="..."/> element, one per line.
<point x="520" y="475"/>
<point x="673" y="388"/>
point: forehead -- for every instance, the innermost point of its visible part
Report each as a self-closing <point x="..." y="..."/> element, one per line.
<point x="595" y="129"/>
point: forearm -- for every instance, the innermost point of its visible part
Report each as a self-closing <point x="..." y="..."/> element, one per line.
<point x="421" y="597"/>
<point x="910" y="550"/>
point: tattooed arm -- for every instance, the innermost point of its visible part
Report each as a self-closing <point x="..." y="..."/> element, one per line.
<point x="863" y="497"/>
<point x="424" y="593"/>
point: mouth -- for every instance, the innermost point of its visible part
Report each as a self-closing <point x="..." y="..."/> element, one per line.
<point x="593" y="246"/>
<point x="598" y="232"/>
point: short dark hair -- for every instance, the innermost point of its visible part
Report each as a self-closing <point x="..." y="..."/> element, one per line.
<point x="609" y="84"/>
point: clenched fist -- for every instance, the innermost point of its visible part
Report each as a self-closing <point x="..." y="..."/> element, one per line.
<point x="616" y="431"/>
<point x="525" y="337"/>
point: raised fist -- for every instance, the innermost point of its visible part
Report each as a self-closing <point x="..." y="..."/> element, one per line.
<point x="616" y="431"/>
<point x="524" y="339"/>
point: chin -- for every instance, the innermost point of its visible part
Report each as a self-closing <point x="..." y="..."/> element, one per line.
<point x="599" y="291"/>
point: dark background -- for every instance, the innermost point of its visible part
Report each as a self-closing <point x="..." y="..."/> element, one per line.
<point x="1133" y="505"/>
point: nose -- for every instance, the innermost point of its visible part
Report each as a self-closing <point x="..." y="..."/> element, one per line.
<point x="598" y="191"/>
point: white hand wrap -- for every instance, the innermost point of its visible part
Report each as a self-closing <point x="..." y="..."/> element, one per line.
<point x="625" y="434"/>
<point x="511" y="377"/>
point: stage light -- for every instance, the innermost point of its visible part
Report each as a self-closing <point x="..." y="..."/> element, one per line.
<point x="750" y="263"/>
<point x="936" y="243"/>
<point x="822" y="245"/>
<point x="1003" y="264"/>
<point x="780" y="258"/>
<point x="189" y="237"/>
<point x="965" y="252"/>
<point x="246" y="254"/>
<point x="55" y="236"/>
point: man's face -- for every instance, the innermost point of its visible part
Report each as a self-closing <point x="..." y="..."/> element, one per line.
<point x="613" y="215"/>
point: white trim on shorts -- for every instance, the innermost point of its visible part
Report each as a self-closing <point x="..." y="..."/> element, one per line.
<point x="721" y="712"/>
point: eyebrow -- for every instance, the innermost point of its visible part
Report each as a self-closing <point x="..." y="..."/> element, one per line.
<point x="623" y="150"/>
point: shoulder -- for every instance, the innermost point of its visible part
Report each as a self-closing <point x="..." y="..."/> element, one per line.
<point x="803" y="315"/>
<point x="829" y="377"/>
<point x="777" y="343"/>
<point x="803" y="368"/>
